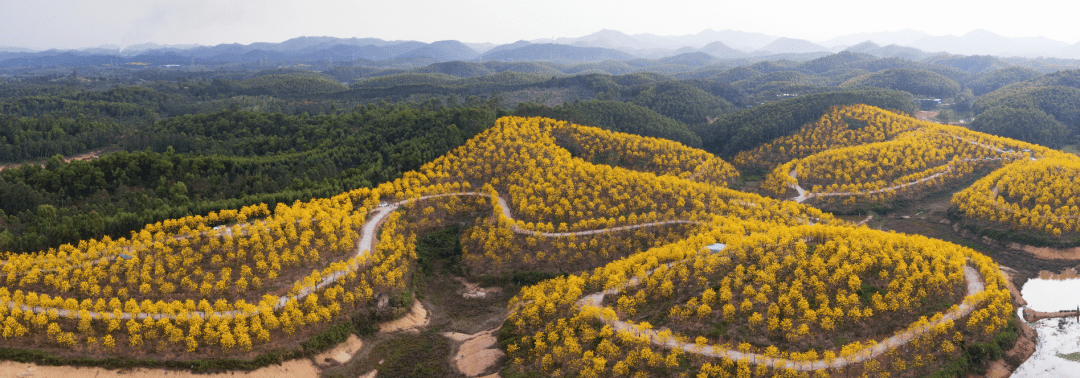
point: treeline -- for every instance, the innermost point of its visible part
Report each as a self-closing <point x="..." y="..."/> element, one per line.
<point x="750" y="128"/>
<point x="28" y="138"/>
<point x="281" y="135"/>
<point x="916" y="82"/>
<point x="278" y="85"/>
<point x="1043" y="110"/>
<point x="1023" y="123"/>
<point x="225" y="160"/>
<point x="615" y="116"/>
<point x="686" y="102"/>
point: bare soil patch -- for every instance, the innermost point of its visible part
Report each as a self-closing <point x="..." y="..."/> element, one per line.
<point x="474" y="291"/>
<point x="89" y="155"/>
<point x="401" y="354"/>
<point x="299" y="368"/>
<point x="456" y="306"/>
<point x="341" y="353"/>
<point x="923" y="115"/>
<point x="1018" y="300"/>
<point x="413" y="321"/>
<point x="1049" y="253"/>
<point x="478" y="353"/>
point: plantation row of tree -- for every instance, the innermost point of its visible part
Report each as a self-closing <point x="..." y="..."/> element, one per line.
<point x="718" y="307"/>
<point x="175" y="269"/>
<point x="602" y="223"/>
<point x="751" y="128"/>
<point x="268" y="147"/>
<point x="196" y="164"/>
<point x="195" y="272"/>
<point x="862" y="157"/>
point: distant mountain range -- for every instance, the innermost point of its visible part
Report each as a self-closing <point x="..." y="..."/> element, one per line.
<point x="599" y="46"/>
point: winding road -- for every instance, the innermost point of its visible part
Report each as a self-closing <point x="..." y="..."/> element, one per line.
<point x="364" y="246"/>
<point x="971" y="276"/>
<point x="804" y="195"/>
<point x="367" y="243"/>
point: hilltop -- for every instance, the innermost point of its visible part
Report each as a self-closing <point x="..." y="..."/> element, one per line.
<point x="536" y="197"/>
<point x="859" y="158"/>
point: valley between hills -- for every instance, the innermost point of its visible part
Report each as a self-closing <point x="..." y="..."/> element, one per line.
<point x="624" y="255"/>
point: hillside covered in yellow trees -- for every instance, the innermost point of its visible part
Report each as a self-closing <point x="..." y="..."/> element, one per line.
<point x="660" y="268"/>
<point x="861" y="157"/>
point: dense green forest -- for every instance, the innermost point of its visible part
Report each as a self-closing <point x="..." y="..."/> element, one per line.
<point x="188" y="142"/>
<point x="916" y="82"/>
<point x="1027" y="124"/>
<point x="684" y="102"/>
<point x="27" y="138"/>
<point x="748" y="129"/>
<point x="1056" y="95"/>
<point x="1000" y="78"/>
<point x="616" y="116"/>
<point x="201" y="163"/>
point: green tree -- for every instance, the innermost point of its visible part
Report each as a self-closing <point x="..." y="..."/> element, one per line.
<point x="1029" y="125"/>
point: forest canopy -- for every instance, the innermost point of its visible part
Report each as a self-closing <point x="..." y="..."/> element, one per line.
<point x="615" y="116"/>
<point x="1026" y="124"/>
<point x="916" y="82"/>
<point x="750" y="128"/>
<point x="196" y="164"/>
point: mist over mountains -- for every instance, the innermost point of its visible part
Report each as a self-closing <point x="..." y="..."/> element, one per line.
<point x="600" y="46"/>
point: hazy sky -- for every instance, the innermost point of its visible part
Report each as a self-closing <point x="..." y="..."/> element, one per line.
<point x="44" y="24"/>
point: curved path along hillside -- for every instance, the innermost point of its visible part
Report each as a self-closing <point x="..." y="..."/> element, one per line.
<point x="367" y="243"/>
<point x="971" y="276"/>
<point x="364" y="246"/>
<point x="805" y="195"/>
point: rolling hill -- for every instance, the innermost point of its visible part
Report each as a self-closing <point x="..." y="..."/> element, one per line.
<point x="621" y="218"/>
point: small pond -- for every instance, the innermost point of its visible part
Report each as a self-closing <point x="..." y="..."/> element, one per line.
<point x="1057" y="353"/>
<point x="1052" y="292"/>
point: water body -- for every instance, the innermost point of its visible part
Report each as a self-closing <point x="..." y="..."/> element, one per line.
<point x="1052" y="292"/>
<point x="1057" y="351"/>
<point x="1058" y="346"/>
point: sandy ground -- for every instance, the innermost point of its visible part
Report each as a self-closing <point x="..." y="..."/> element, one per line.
<point x="416" y="318"/>
<point x="923" y="115"/>
<point x="292" y="368"/>
<point x="477" y="352"/>
<point x="298" y="368"/>
<point x="340" y="354"/>
<point x="1049" y="253"/>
